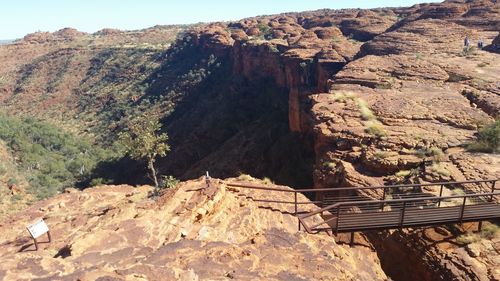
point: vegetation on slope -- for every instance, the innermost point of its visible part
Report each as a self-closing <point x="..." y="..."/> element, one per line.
<point x="51" y="159"/>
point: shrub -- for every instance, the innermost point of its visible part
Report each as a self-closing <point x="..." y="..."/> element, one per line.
<point x="168" y="182"/>
<point x="100" y="181"/>
<point x="265" y="31"/>
<point x="488" y="139"/>
<point x="11" y="182"/>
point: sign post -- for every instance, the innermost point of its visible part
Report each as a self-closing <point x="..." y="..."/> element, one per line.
<point x="37" y="229"/>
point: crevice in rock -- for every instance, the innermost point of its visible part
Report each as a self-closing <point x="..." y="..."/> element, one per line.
<point x="64" y="252"/>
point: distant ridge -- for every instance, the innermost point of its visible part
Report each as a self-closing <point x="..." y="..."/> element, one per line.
<point x="7" y="41"/>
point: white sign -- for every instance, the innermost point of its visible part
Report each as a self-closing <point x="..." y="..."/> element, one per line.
<point x="38" y="228"/>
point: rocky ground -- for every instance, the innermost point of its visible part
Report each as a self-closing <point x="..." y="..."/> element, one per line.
<point x="189" y="233"/>
<point x="382" y="96"/>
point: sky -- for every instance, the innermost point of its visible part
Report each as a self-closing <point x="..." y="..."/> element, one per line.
<point x="20" y="17"/>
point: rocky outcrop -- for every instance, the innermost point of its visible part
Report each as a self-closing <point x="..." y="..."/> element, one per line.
<point x="435" y="253"/>
<point x="189" y="233"/>
<point x="65" y="34"/>
<point x="495" y="45"/>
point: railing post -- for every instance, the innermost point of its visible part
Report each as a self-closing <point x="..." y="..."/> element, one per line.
<point x="440" y="195"/>
<point x="401" y="219"/>
<point x="296" y="215"/>
<point x="338" y="219"/>
<point x="463" y="209"/>
<point x="383" y="199"/>
<point x="492" y="190"/>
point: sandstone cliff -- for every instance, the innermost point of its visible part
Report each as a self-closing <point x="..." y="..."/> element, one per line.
<point x="397" y="105"/>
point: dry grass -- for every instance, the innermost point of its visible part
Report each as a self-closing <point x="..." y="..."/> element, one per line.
<point x="489" y="231"/>
<point x="376" y="129"/>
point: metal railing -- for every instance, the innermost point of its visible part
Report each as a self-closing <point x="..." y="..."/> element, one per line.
<point x="422" y="214"/>
<point x="365" y="204"/>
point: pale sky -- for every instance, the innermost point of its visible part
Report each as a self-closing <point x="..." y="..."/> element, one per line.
<point x="20" y="17"/>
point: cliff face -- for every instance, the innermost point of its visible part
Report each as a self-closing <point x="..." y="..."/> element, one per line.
<point x="189" y="233"/>
<point x="409" y="88"/>
<point x="387" y="95"/>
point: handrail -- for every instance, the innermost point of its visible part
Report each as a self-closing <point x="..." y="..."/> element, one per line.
<point x="262" y="187"/>
<point x="354" y="203"/>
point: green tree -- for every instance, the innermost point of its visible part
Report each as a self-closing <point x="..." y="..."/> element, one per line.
<point x="143" y="141"/>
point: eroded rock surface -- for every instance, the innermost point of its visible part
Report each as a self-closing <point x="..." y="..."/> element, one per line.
<point x="190" y="233"/>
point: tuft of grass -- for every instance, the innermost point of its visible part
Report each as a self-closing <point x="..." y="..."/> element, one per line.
<point x="490" y="231"/>
<point x="468" y="51"/>
<point x="344" y="96"/>
<point x="380" y="154"/>
<point x="440" y="170"/>
<point x="331" y="165"/>
<point x="386" y="85"/>
<point x="245" y="177"/>
<point x="376" y="129"/>
<point x="273" y="49"/>
<point x="407" y="173"/>
<point x="436" y="153"/>
<point x="16" y="197"/>
<point x="267" y="181"/>
<point x="403" y="173"/>
<point x="365" y="111"/>
<point x="468" y="239"/>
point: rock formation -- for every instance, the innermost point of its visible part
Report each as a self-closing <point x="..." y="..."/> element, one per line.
<point x="381" y="96"/>
<point x="189" y="233"/>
